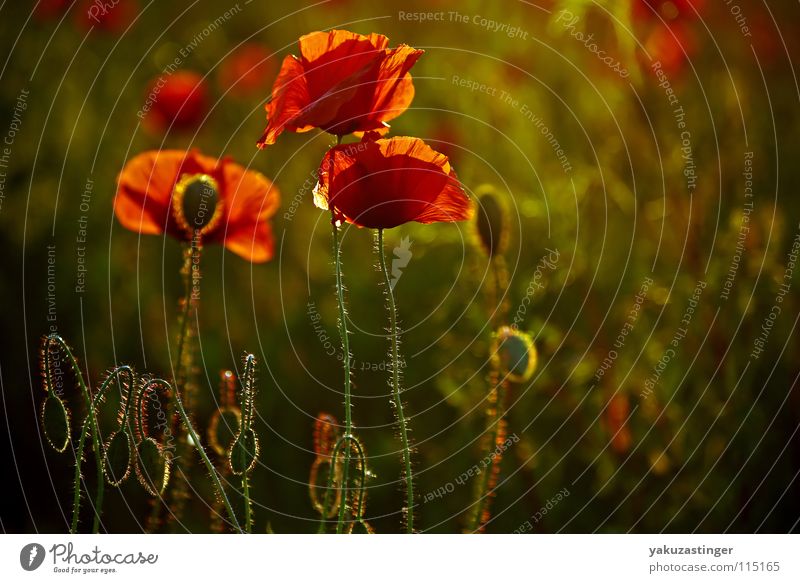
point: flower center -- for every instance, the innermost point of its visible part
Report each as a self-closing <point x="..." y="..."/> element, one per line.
<point x="196" y="204"/>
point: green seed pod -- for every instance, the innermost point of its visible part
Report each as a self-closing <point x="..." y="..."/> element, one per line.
<point x="152" y="466"/>
<point x="244" y="452"/>
<point x="514" y="354"/>
<point x="118" y="458"/>
<point x="55" y="422"/>
<point x="491" y="221"/>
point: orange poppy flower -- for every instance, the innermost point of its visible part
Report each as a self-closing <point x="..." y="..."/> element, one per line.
<point x="187" y="195"/>
<point x="383" y="183"/>
<point x="343" y="82"/>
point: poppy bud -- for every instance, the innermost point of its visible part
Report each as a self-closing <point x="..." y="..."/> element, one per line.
<point x="491" y="221"/>
<point x="118" y="458"/>
<point x="55" y="421"/>
<point x="223" y="429"/>
<point x="244" y="452"/>
<point x="325" y="434"/>
<point x="515" y="354"/>
<point x="152" y="466"/>
<point x="196" y="203"/>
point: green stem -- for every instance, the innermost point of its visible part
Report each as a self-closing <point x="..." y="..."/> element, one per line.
<point x="177" y="494"/>
<point x="81" y="444"/>
<point x="358" y="511"/>
<point x="493" y="427"/>
<point x="181" y="374"/>
<point x="91" y="422"/>
<point x="398" y="401"/>
<point x="248" y="516"/>
<point x="209" y="466"/>
<point x="348" y="418"/>
<point x="246" y="406"/>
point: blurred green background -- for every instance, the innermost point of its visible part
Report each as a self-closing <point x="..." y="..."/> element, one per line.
<point x="713" y="448"/>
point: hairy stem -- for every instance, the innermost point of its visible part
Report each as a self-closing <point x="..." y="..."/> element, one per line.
<point x="495" y="424"/>
<point x="90" y="403"/>
<point x="348" y="417"/>
<point x="408" y="476"/>
<point x="209" y="466"/>
<point x="179" y="493"/>
<point x="248" y="512"/>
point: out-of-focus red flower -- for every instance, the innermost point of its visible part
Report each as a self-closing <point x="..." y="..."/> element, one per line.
<point x="668" y="10"/>
<point x="188" y="195"/>
<point x="51" y="9"/>
<point x="671" y="46"/>
<point x="246" y="70"/>
<point x="668" y="34"/>
<point x="177" y="101"/>
<point x="342" y="82"/>
<point x="616" y="423"/>
<point x="107" y="15"/>
<point x="383" y="183"/>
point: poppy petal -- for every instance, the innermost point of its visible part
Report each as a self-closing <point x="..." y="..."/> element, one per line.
<point x="144" y="190"/>
<point x="254" y="243"/>
<point x="452" y="204"/>
<point x="250" y="199"/>
<point x="249" y="195"/>
<point x="385" y="183"/>
<point x="343" y="82"/>
<point x="316" y="45"/>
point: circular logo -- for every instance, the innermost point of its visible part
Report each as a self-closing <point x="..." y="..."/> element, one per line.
<point x="31" y="556"/>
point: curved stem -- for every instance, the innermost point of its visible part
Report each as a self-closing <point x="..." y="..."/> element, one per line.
<point x="91" y="422"/>
<point x="209" y="466"/>
<point x="398" y="401"/>
<point x="95" y="439"/>
<point x="348" y="418"/>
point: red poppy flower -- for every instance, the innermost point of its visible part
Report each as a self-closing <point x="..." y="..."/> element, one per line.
<point x="246" y="70"/>
<point x="342" y="83"/>
<point x="672" y="47"/>
<point x="187" y="194"/>
<point x="176" y="101"/>
<point x="381" y="184"/>
<point x="669" y="37"/>
<point x="51" y="9"/>
<point x="669" y="10"/>
<point x="107" y="15"/>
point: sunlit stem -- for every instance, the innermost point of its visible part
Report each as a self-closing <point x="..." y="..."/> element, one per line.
<point x="398" y="401"/>
<point x="348" y="418"/>
<point x="246" y="407"/>
<point x="347" y="441"/>
<point x="494" y="424"/>
<point x="192" y="254"/>
<point x="76" y="501"/>
<point x="248" y="512"/>
<point x="182" y="363"/>
<point x="91" y="422"/>
<point x="209" y="466"/>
